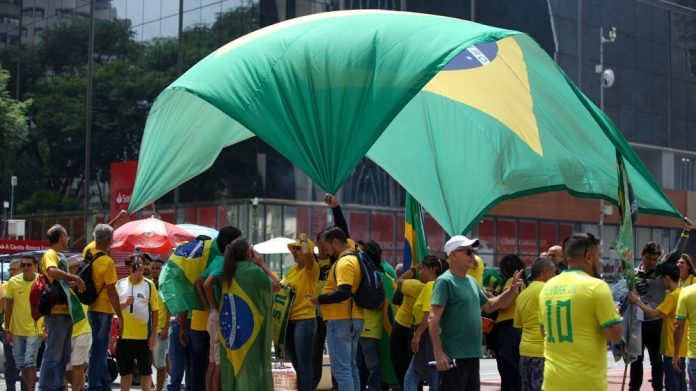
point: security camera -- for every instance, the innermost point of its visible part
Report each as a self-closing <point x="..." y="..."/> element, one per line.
<point x="612" y="34"/>
<point x="608" y="78"/>
<point x="255" y="201"/>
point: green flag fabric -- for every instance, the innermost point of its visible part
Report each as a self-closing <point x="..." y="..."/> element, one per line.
<point x="246" y="329"/>
<point x="462" y="115"/>
<point x="415" y="241"/>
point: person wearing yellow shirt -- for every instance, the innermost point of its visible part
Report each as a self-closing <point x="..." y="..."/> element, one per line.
<point x="667" y="311"/>
<point x="12" y="374"/>
<point x="344" y="319"/>
<point x="59" y="324"/>
<point x="577" y="316"/>
<point x="432" y="267"/>
<point x="477" y="269"/>
<point x="81" y="340"/>
<point x="302" y="277"/>
<point x="101" y="312"/>
<point x="139" y="305"/>
<point x="23" y="332"/>
<point x="506" y="337"/>
<point x="527" y="319"/>
<point x="687" y="272"/>
<point x="686" y="318"/>
<point x="400" y="351"/>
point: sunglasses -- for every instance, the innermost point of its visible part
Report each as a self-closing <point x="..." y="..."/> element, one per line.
<point x="26" y="264"/>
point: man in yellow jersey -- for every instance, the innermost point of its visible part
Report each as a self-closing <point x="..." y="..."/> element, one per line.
<point x="23" y="332"/>
<point x="59" y="323"/>
<point x="686" y="315"/>
<point x="11" y="372"/>
<point x="454" y="321"/>
<point x="139" y="305"/>
<point x="527" y="318"/>
<point x="667" y="311"/>
<point x="81" y="340"/>
<point x="344" y="319"/>
<point x="577" y="316"/>
<point x="101" y="312"/>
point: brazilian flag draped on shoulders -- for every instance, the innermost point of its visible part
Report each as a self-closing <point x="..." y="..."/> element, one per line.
<point x="246" y="329"/>
<point x="179" y="274"/>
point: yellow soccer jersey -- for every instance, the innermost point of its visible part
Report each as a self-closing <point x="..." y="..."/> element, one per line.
<point x="686" y="309"/>
<point x="574" y="308"/>
<point x="411" y="289"/>
<point x="668" y="308"/>
<point x="527" y="319"/>
<point x="18" y="291"/>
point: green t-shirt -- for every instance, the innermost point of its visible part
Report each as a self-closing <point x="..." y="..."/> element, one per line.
<point x="460" y="325"/>
<point x="214" y="268"/>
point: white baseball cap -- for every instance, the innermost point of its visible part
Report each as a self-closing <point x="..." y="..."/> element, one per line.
<point x="459" y="241"/>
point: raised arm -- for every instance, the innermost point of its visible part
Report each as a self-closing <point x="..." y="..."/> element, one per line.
<point x="339" y="219"/>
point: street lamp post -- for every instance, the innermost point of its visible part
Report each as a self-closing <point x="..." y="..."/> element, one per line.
<point x="606" y="80"/>
<point x="13" y="183"/>
<point x="5" y="206"/>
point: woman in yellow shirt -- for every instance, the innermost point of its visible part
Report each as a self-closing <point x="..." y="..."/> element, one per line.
<point x="302" y="326"/>
<point x="410" y="287"/>
<point x="420" y="343"/>
<point x="687" y="272"/>
<point x="507" y="337"/>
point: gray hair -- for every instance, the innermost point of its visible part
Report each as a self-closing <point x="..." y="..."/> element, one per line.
<point x="103" y="233"/>
<point x="539" y="266"/>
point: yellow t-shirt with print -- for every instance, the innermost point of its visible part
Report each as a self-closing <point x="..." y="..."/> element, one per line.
<point x="137" y="315"/>
<point x="82" y="327"/>
<point x="18" y="290"/>
<point x="668" y="308"/>
<point x="345" y="271"/>
<point x="686" y="309"/>
<point x="422" y="304"/>
<point x="411" y="289"/>
<point x="103" y="274"/>
<point x="527" y="319"/>
<point x="574" y="308"/>
<point x="304" y="281"/>
<point x="51" y="259"/>
<point x="508" y="313"/>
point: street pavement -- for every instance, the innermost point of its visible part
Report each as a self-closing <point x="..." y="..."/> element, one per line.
<point x="490" y="379"/>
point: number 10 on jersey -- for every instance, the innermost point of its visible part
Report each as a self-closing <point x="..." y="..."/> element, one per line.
<point x="560" y="330"/>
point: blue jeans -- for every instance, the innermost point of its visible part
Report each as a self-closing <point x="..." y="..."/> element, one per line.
<point x="178" y="359"/>
<point x="97" y="373"/>
<point x="11" y="371"/>
<point x="692" y="373"/>
<point x="299" y="345"/>
<point x="25" y="350"/>
<point x="199" y="343"/>
<point x="412" y="378"/>
<point x="57" y="354"/>
<point x="674" y="381"/>
<point x="342" y="339"/>
<point x="368" y="363"/>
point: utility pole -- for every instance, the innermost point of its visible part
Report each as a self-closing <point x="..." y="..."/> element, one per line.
<point x="179" y="71"/>
<point x="88" y="118"/>
<point x="606" y="80"/>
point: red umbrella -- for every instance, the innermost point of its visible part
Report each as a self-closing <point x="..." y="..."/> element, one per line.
<point x="151" y="235"/>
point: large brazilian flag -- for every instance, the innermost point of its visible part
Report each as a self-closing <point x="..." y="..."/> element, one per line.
<point x="180" y="273"/>
<point x="246" y="329"/>
<point x="462" y="115"/>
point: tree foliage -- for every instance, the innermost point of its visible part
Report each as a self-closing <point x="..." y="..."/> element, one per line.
<point x="128" y="76"/>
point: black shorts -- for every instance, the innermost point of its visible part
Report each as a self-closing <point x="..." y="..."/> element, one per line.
<point x="128" y="350"/>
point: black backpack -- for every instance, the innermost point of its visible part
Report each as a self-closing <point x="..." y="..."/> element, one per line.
<point x="90" y="293"/>
<point x="370" y="293"/>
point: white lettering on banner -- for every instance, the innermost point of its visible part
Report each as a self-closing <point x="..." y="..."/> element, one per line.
<point x="123" y="198"/>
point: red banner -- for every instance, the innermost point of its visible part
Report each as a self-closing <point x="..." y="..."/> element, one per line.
<point x="122" y="182"/>
<point x="18" y="246"/>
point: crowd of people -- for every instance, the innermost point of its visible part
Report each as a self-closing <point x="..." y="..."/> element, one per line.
<point x="544" y="324"/>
